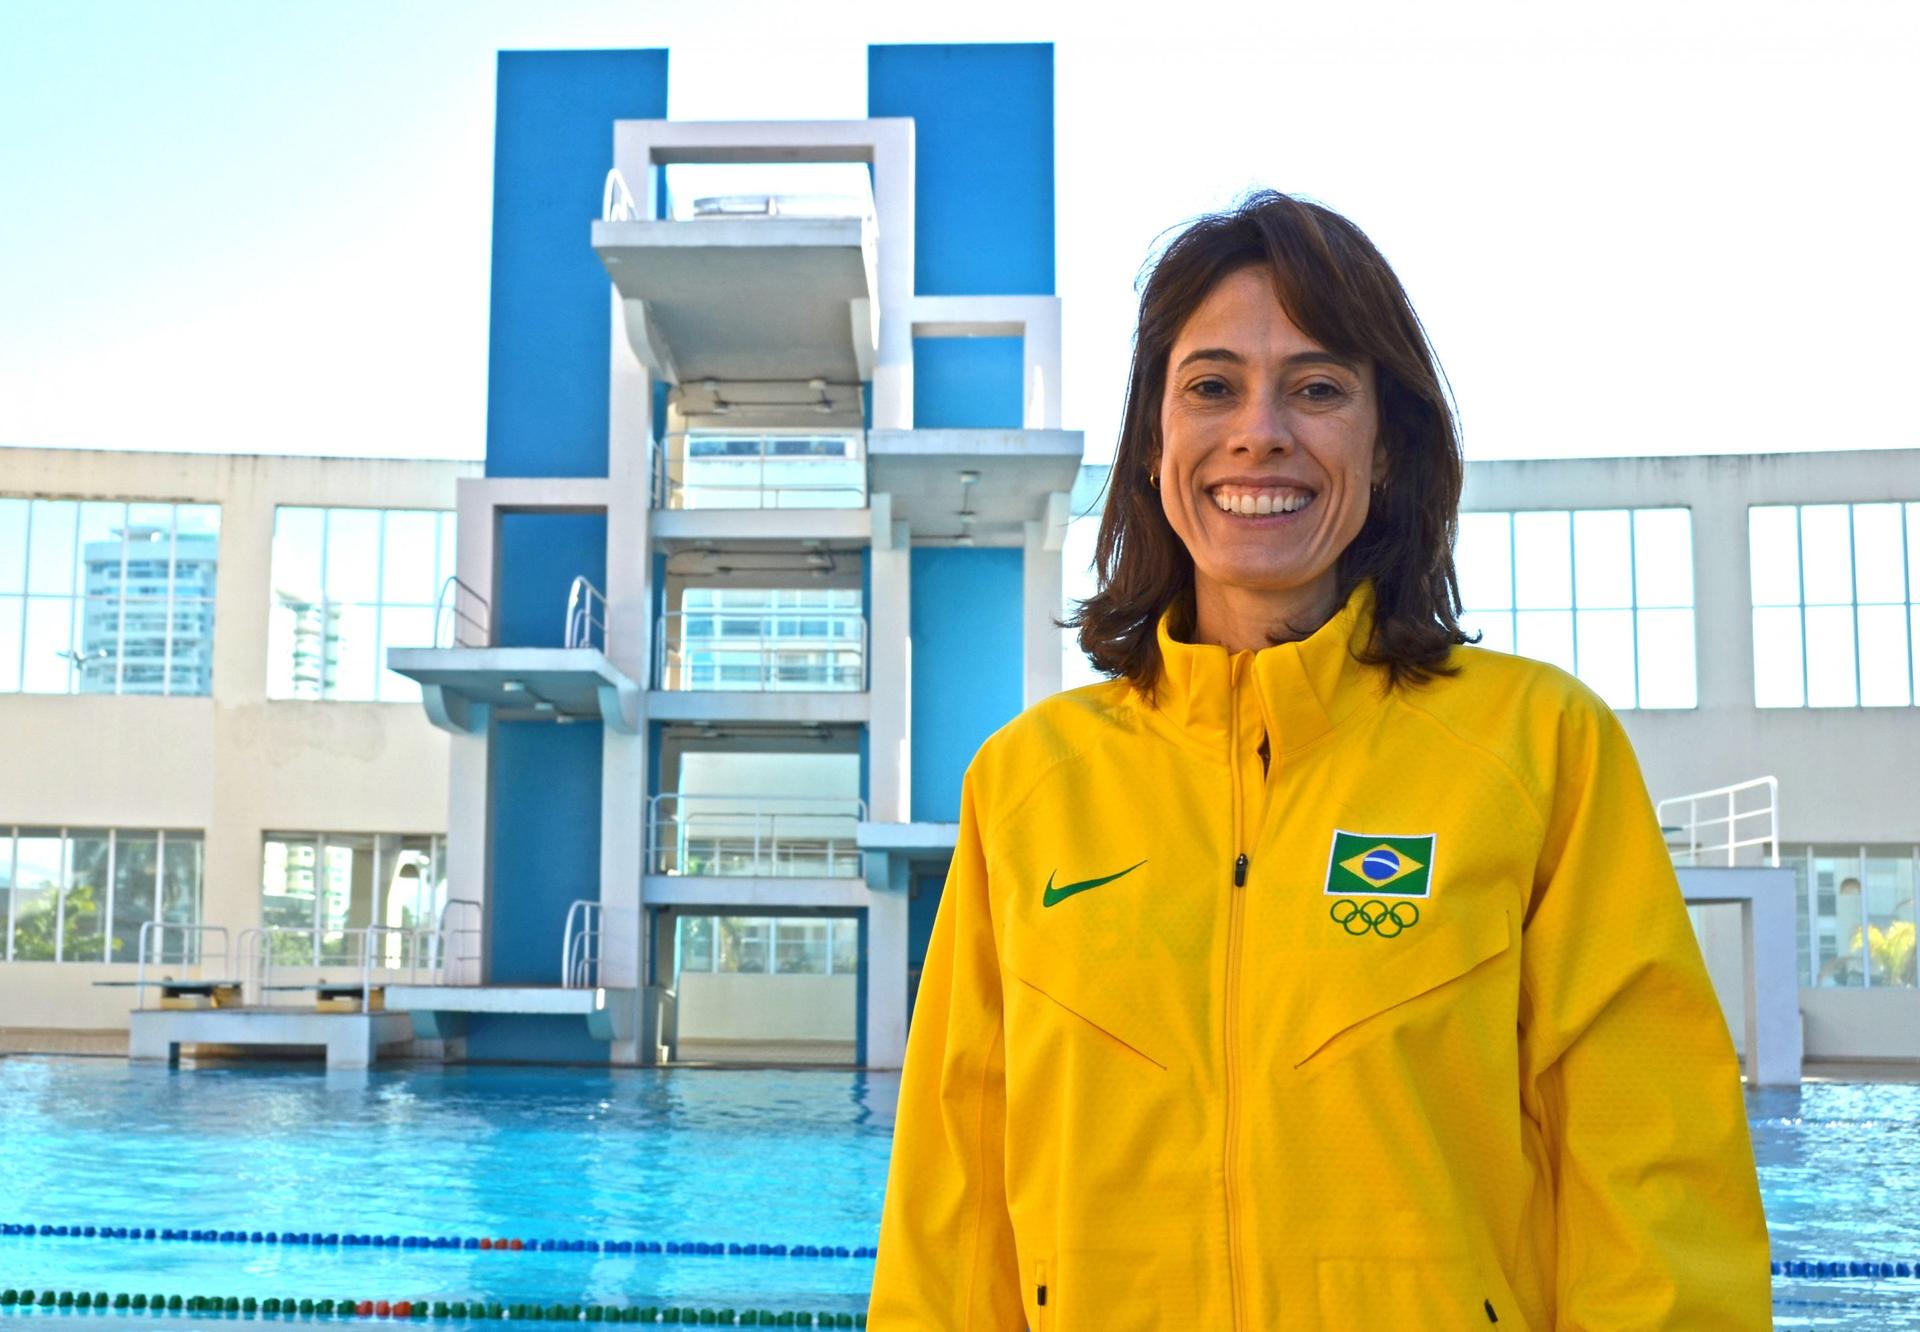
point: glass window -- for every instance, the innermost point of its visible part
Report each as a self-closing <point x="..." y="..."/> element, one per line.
<point x="1888" y="906"/>
<point x="846" y="947"/>
<point x="319" y="892"/>
<point x="1833" y="604"/>
<point x="121" y="596"/>
<point x="84" y="899"/>
<point x="696" y="943"/>
<point x="136" y="878"/>
<point x="348" y="584"/>
<point x="742" y="944"/>
<point x="81" y="895"/>
<point x="1604" y="593"/>
<point x="800" y="947"/>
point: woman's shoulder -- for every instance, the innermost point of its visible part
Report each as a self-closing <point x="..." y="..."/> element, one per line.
<point x="1052" y="731"/>
<point x="1524" y="715"/>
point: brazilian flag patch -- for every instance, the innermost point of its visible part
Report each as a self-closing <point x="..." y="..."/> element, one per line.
<point x="1366" y="863"/>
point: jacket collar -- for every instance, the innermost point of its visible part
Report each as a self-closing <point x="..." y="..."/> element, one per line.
<point x="1304" y="689"/>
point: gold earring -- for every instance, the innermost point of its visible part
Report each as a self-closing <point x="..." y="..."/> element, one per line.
<point x="1153" y="479"/>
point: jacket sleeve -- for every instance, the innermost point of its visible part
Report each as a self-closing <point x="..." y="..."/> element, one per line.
<point x="946" y="1255"/>
<point x="1628" y="1067"/>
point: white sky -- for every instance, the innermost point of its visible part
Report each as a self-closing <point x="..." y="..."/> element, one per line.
<point x="1630" y="227"/>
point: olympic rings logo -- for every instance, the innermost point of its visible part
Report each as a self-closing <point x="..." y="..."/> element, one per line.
<point x="1357" y="918"/>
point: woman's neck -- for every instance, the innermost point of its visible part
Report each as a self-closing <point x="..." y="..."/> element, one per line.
<point x="1246" y="620"/>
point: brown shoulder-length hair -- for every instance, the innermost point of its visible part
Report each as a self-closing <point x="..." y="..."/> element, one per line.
<point x="1339" y="291"/>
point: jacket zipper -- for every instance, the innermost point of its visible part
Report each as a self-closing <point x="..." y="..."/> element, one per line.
<point x="1232" y="1005"/>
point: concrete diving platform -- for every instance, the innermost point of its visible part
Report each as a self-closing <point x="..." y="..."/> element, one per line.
<point x="351" y="1040"/>
<point x="440" y="1012"/>
<point x="464" y="686"/>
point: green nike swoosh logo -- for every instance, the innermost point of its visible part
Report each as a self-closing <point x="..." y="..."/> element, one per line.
<point x="1054" y="895"/>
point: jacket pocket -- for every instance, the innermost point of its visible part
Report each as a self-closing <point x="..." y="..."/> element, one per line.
<point x="1361" y="979"/>
<point x="1393" y="1292"/>
<point x="1131" y="1045"/>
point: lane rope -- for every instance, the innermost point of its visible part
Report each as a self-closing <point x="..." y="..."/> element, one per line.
<point x="485" y="1243"/>
<point x="71" y="1301"/>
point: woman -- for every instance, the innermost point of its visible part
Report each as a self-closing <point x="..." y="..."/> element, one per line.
<point x="1316" y="971"/>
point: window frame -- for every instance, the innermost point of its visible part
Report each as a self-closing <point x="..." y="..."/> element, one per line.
<point x="9" y="921"/>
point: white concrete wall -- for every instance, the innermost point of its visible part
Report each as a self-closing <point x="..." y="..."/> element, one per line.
<point x="722" y="1006"/>
<point x="235" y="765"/>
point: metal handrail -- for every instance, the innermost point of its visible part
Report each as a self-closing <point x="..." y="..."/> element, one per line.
<point x="773" y="836"/>
<point x="157" y="930"/>
<point x="846" y="670"/>
<point x="580" y="946"/>
<point x="454" y="624"/>
<point x="418" y="935"/>
<point x="672" y="492"/>
<point x="581" y="619"/>
<point x="445" y="934"/>
<point x="1733" y="842"/>
<point x="616" y="200"/>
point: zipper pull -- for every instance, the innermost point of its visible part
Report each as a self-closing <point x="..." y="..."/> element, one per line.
<point x="1240" y="871"/>
<point x="1043" y="1295"/>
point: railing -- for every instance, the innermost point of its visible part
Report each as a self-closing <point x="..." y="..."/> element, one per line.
<point x="580" y="946"/>
<point x="783" y="205"/>
<point x="782" y="650"/>
<point x="586" y="616"/>
<point x="760" y="472"/>
<point x="760" y="836"/>
<point x="616" y="200"/>
<point x="453" y="962"/>
<point x="461" y="617"/>
<point x="421" y="949"/>
<point x="1693" y="834"/>
<point x="153" y="949"/>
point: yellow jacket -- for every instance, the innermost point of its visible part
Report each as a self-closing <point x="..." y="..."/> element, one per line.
<point x="1410" y="1031"/>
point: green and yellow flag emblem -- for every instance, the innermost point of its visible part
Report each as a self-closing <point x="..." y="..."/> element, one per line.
<point x="1380" y="866"/>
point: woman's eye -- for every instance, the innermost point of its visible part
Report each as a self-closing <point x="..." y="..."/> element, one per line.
<point x="1322" y="390"/>
<point x="1210" y="388"/>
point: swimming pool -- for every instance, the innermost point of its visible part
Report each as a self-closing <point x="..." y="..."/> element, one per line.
<point x="636" y="1157"/>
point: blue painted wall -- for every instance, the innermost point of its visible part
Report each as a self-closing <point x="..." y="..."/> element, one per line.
<point x="538" y="555"/>
<point x="545" y="818"/>
<point x="983" y="147"/>
<point x="967" y="664"/>
<point x="967" y="384"/>
<point x="548" y="331"/>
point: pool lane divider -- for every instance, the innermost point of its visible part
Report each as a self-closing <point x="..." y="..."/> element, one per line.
<point x="696" y="1248"/>
<point x="70" y="1301"/>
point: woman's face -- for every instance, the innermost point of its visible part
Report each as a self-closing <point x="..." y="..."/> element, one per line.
<point x="1269" y="449"/>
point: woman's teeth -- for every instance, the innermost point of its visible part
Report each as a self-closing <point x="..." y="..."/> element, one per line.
<point x="1254" y="503"/>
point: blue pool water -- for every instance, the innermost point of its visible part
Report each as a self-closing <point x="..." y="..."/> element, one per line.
<point x="696" y="1155"/>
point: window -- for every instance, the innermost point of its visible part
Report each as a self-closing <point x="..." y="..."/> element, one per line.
<point x="319" y="892"/>
<point x="801" y="945"/>
<point x="107" y="596"/>
<point x="347" y="585"/>
<point x="1604" y="593"/>
<point x="766" y="638"/>
<point x="81" y="895"/>
<point x="1857" y="914"/>
<point x="1833" y="604"/>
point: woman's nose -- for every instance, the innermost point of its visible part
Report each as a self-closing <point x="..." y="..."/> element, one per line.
<point x="1262" y="428"/>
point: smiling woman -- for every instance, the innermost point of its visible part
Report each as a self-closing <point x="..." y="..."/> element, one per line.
<point x="1318" y="970"/>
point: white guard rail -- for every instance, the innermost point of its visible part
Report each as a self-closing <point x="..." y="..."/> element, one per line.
<point x="760" y="472"/>
<point x="580" y="948"/>
<point x="779" y="650"/>
<point x="461" y="617"/>
<point x="153" y="951"/>
<point x="1715" y="827"/>
<point x="419" y="952"/>
<point x="759" y="836"/>
<point x="586" y="616"/>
